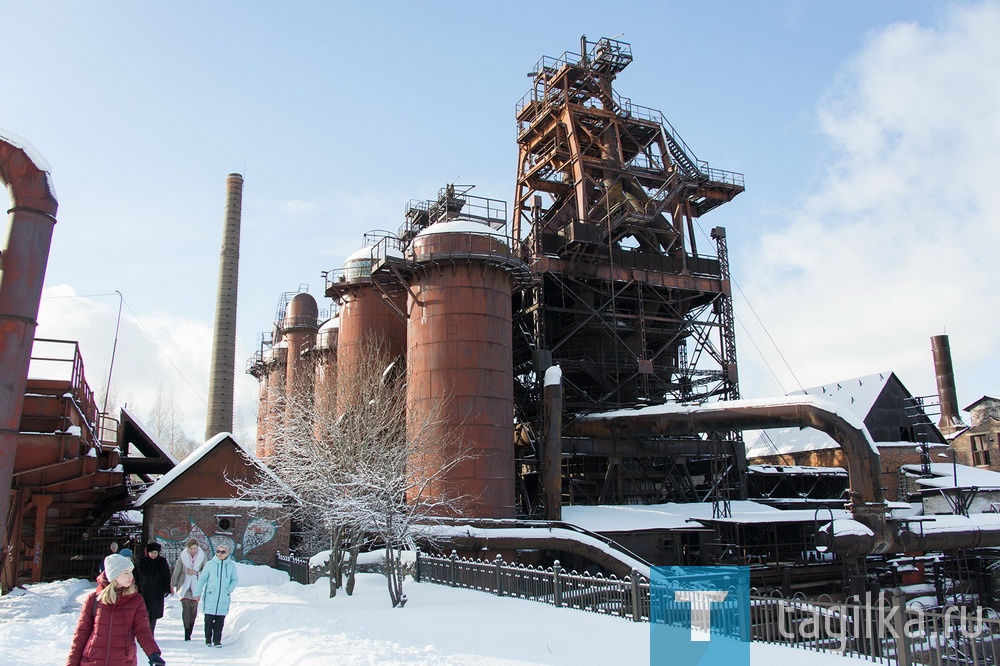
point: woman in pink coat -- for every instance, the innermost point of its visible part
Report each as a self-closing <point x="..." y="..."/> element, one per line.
<point x="113" y="618"/>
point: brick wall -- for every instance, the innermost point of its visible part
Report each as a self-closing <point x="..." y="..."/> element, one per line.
<point x="252" y="534"/>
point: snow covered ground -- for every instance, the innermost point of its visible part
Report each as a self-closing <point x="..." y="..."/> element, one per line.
<point x="275" y="622"/>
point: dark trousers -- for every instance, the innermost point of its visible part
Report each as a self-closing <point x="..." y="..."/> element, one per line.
<point x="213" y="628"/>
<point x="189" y="613"/>
<point x="152" y="626"/>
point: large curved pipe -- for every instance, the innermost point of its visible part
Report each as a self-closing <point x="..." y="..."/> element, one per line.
<point x="867" y="503"/>
<point x="31" y="218"/>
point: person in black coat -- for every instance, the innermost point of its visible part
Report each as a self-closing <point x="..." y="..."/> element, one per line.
<point x="153" y="579"/>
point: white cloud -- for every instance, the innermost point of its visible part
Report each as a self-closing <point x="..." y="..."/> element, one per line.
<point x="298" y="207"/>
<point x="901" y="240"/>
<point x="155" y="352"/>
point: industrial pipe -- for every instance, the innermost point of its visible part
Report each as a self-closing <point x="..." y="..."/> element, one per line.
<point x="31" y="219"/>
<point x="867" y="502"/>
<point x="944" y="375"/>
<point x="847" y="538"/>
<point x="552" y="400"/>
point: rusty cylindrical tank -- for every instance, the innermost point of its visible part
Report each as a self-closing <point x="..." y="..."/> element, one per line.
<point x="31" y="219"/>
<point x="944" y="374"/>
<point x="325" y="369"/>
<point x="299" y="328"/>
<point x="272" y="393"/>
<point x="459" y="367"/>
<point x="364" y="319"/>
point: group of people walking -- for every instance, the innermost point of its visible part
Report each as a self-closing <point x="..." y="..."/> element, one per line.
<point x="125" y="606"/>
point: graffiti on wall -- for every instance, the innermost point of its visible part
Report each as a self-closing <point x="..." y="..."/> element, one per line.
<point x="173" y="538"/>
<point x="258" y="532"/>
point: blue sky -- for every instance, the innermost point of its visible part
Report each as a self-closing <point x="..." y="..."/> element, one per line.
<point x="867" y="133"/>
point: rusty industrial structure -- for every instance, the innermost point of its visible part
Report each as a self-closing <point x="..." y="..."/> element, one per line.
<point x="586" y="350"/>
<point x="582" y="346"/>
<point x="65" y="467"/>
<point x="606" y="202"/>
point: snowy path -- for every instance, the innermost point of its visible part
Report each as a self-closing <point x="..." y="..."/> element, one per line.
<point x="278" y="623"/>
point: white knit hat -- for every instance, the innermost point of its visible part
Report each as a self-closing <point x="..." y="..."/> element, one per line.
<point x="115" y="565"/>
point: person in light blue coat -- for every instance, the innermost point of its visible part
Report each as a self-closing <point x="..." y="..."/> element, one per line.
<point x="215" y="585"/>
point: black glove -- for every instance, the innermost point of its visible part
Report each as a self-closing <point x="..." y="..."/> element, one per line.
<point x="156" y="660"/>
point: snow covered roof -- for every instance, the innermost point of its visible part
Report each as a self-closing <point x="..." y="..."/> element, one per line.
<point x="193" y="458"/>
<point x="673" y="516"/>
<point x="724" y="405"/>
<point x="985" y="398"/>
<point x="948" y="523"/>
<point x="531" y="533"/>
<point x="856" y="396"/>
<point x="127" y="415"/>
<point x="462" y="227"/>
<point x="796" y="469"/>
<point x="945" y="474"/>
<point x="362" y="254"/>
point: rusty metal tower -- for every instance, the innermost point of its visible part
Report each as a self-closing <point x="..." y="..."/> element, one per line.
<point x="623" y="301"/>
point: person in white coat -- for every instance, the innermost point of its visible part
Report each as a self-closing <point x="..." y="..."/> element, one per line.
<point x="184" y="580"/>
<point x="216" y="584"/>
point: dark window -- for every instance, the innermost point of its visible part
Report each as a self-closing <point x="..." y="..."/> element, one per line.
<point x="980" y="452"/>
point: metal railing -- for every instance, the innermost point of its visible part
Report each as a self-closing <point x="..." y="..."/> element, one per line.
<point x="625" y="597"/>
<point x="61" y="360"/>
<point x="881" y="630"/>
<point x="297" y="568"/>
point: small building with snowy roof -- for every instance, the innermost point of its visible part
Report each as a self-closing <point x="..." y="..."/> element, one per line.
<point x="196" y="500"/>
<point x="894" y="419"/>
<point x="951" y="488"/>
<point x="978" y="445"/>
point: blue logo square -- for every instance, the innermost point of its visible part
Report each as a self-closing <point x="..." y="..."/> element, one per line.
<point x="699" y="616"/>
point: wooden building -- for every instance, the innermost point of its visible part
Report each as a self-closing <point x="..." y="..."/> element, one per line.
<point x="196" y="500"/>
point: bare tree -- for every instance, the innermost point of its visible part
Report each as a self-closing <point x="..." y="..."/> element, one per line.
<point x="166" y="426"/>
<point x="356" y="466"/>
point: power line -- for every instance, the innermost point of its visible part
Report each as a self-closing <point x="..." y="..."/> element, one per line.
<point x="162" y="351"/>
<point x="146" y="331"/>
<point x="759" y="321"/>
<point x="762" y="357"/>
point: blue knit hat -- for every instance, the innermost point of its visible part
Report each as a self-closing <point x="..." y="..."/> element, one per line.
<point x="125" y="552"/>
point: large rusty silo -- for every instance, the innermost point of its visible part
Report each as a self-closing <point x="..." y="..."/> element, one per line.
<point x="460" y="364"/>
<point x="367" y="315"/>
<point x="299" y="329"/>
<point x="325" y="366"/>
<point x="268" y="367"/>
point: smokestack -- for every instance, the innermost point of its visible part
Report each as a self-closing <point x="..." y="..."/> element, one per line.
<point x="220" y="389"/>
<point x="944" y="373"/>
